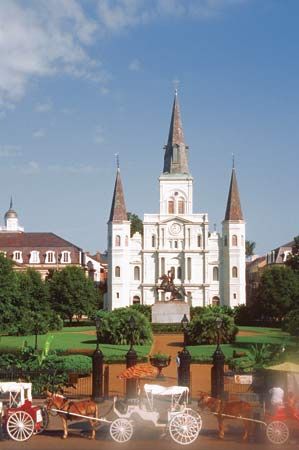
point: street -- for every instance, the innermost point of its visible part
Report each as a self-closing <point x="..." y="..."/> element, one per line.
<point x="144" y="437"/>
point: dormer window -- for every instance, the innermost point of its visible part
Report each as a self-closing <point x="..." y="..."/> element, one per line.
<point x="17" y="256"/>
<point x="50" y="257"/>
<point x="34" y="257"/>
<point x="65" y="257"/>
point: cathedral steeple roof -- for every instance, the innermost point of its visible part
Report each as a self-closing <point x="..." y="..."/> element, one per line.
<point x="118" y="211"/>
<point x="233" y="207"/>
<point x="176" y="151"/>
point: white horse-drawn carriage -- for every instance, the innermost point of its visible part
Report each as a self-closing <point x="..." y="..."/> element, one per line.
<point x="19" y="417"/>
<point x="182" y="422"/>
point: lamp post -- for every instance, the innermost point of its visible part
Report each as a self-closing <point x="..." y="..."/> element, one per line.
<point x="217" y="371"/>
<point x="97" y="367"/>
<point x="184" y="358"/>
<point x="131" y="360"/>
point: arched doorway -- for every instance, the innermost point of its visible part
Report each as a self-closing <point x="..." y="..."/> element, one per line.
<point x="215" y="301"/>
<point x="136" y="300"/>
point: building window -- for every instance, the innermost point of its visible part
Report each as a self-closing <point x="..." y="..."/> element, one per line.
<point x="189" y="269"/>
<point x="117" y="240"/>
<point x="50" y="257"/>
<point x="175" y="153"/>
<point x="198" y="240"/>
<point x="235" y="272"/>
<point x="181" y="206"/>
<point x="170" y="244"/>
<point x="136" y="273"/>
<point x="215" y="274"/>
<point x="235" y="296"/>
<point x="162" y="266"/>
<point x="66" y="257"/>
<point x="215" y="301"/>
<point x="171" y="206"/>
<point x="175" y="244"/>
<point x="117" y="295"/>
<point x="17" y="256"/>
<point x="117" y="271"/>
<point x="34" y="257"/>
<point x="234" y="240"/>
<point x="136" y="300"/>
<point x="179" y="273"/>
<point x="126" y="241"/>
<point x="225" y="241"/>
<point x="153" y="240"/>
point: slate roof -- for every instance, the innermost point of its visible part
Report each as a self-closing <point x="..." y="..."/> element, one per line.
<point x="233" y="207"/>
<point x="118" y="211"/>
<point x="34" y="240"/>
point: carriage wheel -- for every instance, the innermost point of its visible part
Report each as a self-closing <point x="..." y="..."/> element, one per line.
<point x="20" y="426"/>
<point x="184" y="428"/>
<point x="197" y="416"/>
<point x="277" y="432"/>
<point x="45" y="422"/>
<point x="121" y="430"/>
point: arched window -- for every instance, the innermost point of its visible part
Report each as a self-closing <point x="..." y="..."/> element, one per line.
<point x="235" y="272"/>
<point x="198" y="240"/>
<point x="117" y="271"/>
<point x="215" y="274"/>
<point x="153" y="240"/>
<point x="117" y="240"/>
<point x="181" y="206"/>
<point x="136" y="300"/>
<point x="126" y="241"/>
<point x="136" y="273"/>
<point x="234" y="240"/>
<point x="215" y="301"/>
<point x="171" y="206"/>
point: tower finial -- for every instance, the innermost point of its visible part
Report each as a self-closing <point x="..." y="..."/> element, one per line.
<point x="176" y="83"/>
<point x="117" y="160"/>
<point x="233" y="160"/>
<point x="10" y="205"/>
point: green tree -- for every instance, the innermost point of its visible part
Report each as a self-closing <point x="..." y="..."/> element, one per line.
<point x="9" y="295"/>
<point x="136" y="223"/>
<point x="72" y="293"/>
<point x="277" y="294"/>
<point x="293" y="259"/>
<point x="249" y="248"/>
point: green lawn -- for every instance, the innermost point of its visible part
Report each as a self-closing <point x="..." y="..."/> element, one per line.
<point x="74" y="340"/>
<point x="243" y="343"/>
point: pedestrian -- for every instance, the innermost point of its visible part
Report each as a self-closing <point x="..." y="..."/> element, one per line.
<point x="178" y="364"/>
<point x="276" y="394"/>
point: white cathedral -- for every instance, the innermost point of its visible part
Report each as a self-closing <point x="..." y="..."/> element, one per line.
<point x="205" y="267"/>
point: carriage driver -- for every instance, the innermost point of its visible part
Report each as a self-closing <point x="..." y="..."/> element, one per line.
<point x="276" y="394"/>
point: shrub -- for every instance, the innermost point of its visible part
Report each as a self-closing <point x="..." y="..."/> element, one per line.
<point x="143" y="309"/>
<point x="243" y="315"/>
<point x="291" y="323"/>
<point x="167" y="328"/>
<point x="74" y="363"/>
<point x="115" y="328"/>
<point x="202" y="329"/>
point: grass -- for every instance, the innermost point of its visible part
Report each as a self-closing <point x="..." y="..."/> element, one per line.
<point x="74" y="341"/>
<point x="203" y="353"/>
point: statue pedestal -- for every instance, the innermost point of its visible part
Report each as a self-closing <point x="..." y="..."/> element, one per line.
<point x="170" y="312"/>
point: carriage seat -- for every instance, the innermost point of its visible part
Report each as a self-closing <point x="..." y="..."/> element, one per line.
<point x="121" y="406"/>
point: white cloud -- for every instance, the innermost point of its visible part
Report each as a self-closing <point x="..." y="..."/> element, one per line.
<point x="43" y="107"/>
<point x="80" y="168"/>
<point x="41" y="38"/>
<point x="99" y="137"/>
<point x="135" y="65"/>
<point x="38" y="134"/>
<point x="119" y="14"/>
<point x="9" y="151"/>
<point x="31" y="168"/>
<point x="104" y="90"/>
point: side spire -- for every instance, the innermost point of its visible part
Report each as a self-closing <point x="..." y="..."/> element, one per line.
<point x="176" y="151"/>
<point x="233" y="207"/>
<point x="118" y="211"/>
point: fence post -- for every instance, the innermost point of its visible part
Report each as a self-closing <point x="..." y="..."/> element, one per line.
<point x="106" y="382"/>
<point x="217" y="374"/>
<point x="97" y="375"/>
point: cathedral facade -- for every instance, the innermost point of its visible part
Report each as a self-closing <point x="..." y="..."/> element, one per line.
<point x="178" y="255"/>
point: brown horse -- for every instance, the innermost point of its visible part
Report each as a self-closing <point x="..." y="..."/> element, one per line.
<point x="82" y="407"/>
<point x="238" y="409"/>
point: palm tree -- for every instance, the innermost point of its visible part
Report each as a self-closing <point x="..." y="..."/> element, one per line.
<point x="249" y="248"/>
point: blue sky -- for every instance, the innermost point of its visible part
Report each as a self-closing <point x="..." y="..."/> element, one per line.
<point x="81" y="80"/>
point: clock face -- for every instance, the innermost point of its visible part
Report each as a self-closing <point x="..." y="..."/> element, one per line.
<point x="175" y="228"/>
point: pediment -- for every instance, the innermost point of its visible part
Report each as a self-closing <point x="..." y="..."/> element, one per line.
<point x="177" y="219"/>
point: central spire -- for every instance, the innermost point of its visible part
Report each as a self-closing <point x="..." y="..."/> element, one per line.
<point x="176" y="151"/>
